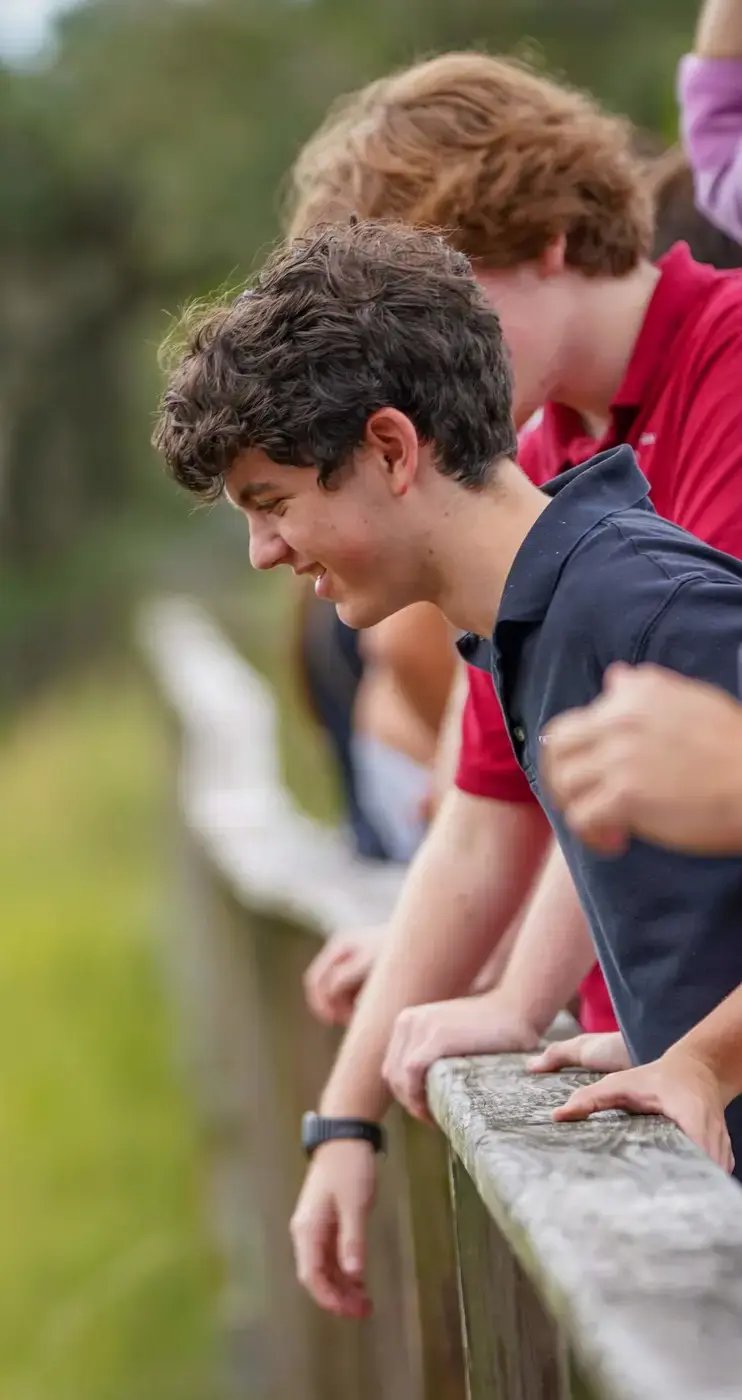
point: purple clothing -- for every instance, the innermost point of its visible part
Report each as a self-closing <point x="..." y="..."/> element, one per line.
<point x="710" y="97"/>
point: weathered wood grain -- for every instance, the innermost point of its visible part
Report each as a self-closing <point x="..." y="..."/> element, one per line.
<point x="632" y="1237"/>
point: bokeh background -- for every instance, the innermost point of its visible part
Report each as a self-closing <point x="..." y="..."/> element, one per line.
<point x="143" y="146"/>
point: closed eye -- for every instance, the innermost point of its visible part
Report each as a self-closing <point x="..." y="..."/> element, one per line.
<point x="276" y="507"/>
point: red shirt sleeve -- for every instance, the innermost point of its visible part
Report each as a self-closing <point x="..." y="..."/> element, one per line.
<point x="487" y="765"/>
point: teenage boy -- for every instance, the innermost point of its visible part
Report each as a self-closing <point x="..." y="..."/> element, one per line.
<point x="356" y="406"/>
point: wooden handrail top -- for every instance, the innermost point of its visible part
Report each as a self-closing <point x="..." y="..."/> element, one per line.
<point x="633" y="1236"/>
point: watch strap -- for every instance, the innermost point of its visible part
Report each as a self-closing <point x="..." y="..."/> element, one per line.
<point x="317" y="1130"/>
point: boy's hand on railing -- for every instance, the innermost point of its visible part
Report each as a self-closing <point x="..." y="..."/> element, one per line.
<point x="602" y="1053"/>
<point x="678" y="1085"/>
<point x="335" y="977"/>
<point x="328" y="1229"/>
<point x="477" y="1025"/>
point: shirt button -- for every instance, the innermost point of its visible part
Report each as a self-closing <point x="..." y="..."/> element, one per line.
<point x="519" y="734"/>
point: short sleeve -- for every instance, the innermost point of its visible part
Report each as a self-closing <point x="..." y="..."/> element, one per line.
<point x="710" y="97"/>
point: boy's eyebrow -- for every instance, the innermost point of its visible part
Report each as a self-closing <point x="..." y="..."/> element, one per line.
<point x="249" y="492"/>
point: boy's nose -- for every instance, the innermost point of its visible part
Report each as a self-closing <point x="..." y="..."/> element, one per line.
<point x="267" y="549"/>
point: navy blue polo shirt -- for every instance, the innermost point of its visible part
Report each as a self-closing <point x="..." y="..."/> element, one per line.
<point x="600" y="578"/>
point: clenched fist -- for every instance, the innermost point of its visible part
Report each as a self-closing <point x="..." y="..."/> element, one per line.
<point x="657" y="756"/>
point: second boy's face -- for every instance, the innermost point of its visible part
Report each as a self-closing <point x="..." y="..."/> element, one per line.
<point x="533" y="311"/>
<point x="349" y="538"/>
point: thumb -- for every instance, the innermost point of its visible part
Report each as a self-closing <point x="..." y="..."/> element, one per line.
<point x="591" y="1098"/>
<point x="351" y="1244"/>
<point x="562" y="1054"/>
<point x="615" y="674"/>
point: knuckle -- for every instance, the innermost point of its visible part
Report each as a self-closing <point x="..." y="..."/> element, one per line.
<point x="415" y="1066"/>
<point x="307" y="1277"/>
<point x="302" y="1224"/>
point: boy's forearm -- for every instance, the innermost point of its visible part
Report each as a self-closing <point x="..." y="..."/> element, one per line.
<point x="553" y="951"/>
<point x="464" y="888"/>
<point x="449" y="737"/>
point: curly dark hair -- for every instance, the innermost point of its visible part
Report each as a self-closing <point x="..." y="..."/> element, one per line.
<point x="354" y="318"/>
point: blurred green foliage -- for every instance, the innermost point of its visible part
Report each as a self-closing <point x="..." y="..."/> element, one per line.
<point x="140" y="163"/>
<point x="107" y="1281"/>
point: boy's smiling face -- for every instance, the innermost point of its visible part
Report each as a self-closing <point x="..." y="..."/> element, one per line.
<point x="356" y="537"/>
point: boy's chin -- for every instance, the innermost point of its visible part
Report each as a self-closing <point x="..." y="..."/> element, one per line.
<point x="360" y="613"/>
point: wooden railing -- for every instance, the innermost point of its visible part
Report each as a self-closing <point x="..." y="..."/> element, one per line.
<point x="512" y="1258"/>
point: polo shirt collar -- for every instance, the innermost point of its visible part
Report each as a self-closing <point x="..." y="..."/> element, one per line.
<point x="581" y="498"/>
<point x="682" y="284"/>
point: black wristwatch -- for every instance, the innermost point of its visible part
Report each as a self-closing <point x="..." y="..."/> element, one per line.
<point x="315" y="1130"/>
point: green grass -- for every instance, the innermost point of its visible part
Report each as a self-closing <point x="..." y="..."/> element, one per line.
<point x="107" y="1281"/>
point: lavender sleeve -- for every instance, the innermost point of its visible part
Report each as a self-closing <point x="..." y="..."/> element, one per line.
<point x="710" y="97"/>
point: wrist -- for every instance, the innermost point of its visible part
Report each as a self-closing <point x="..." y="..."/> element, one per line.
<point x="508" y="1021"/>
<point x="519" y="1008"/>
<point x="369" y="1101"/>
<point x="317" y="1130"/>
<point x="699" y="1061"/>
<point x="343" y="1149"/>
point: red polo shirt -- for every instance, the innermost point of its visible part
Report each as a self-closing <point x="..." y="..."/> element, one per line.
<point x="680" y="408"/>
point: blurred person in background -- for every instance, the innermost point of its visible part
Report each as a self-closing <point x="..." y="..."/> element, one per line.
<point x="544" y="192"/>
<point x="380" y="698"/>
<point x="330" y="668"/>
<point x="407" y="675"/>
<point x="337" y="974"/>
<point x="678" y="218"/>
<point x="710" y="95"/>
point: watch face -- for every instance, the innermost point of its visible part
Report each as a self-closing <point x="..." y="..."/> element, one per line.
<point x="309" y="1130"/>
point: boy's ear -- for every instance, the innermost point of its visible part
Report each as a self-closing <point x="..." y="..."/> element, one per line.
<point x="392" y="438"/>
<point x="552" y="260"/>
